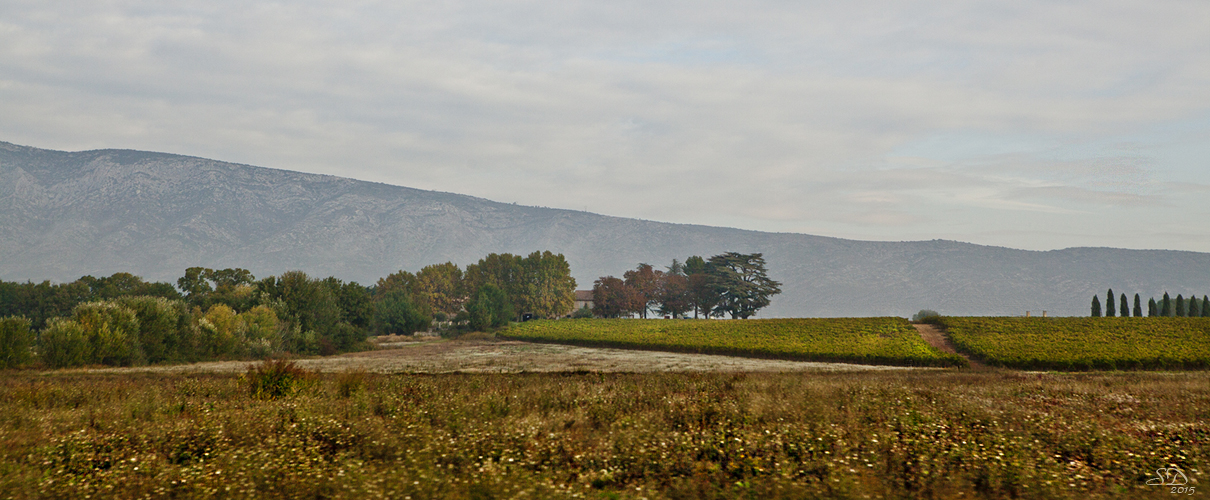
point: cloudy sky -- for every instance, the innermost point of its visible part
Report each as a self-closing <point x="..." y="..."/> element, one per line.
<point x="1033" y="125"/>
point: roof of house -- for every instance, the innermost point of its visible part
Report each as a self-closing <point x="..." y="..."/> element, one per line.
<point x="584" y="295"/>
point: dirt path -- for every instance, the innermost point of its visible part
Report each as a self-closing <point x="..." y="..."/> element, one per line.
<point x="510" y="356"/>
<point x="937" y="338"/>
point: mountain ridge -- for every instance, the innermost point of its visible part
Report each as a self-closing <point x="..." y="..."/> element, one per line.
<point x="67" y="214"/>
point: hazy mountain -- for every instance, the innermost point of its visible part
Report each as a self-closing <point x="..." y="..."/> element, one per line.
<point x="63" y="215"/>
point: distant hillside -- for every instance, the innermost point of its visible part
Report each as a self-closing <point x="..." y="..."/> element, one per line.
<point x="63" y="215"/>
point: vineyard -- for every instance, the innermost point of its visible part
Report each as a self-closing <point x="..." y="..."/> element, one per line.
<point x="1084" y="343"/>
<point x="888" y="341"/>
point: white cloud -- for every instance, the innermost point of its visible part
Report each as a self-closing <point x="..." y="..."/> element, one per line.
<point x="862" y="119"/>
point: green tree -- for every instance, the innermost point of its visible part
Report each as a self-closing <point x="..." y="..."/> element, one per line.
<point x="1195" y="308"/>
<point x="1153" y="309"/>
<point x="549" y="291"/>
<point x="702" y="296"/>
<point x="1109" y="299"/>
<point x="742" y="282"/>
<point x="112" y="332"/>
<point x="489" y="308"/>
<point x="64" y="343"/>
<point x="1180" y="306"/>
<point x="1096" y="306"/>
<point x="440" y="288"/>
<point x="160" y="322"/>
<point x="1124" y="310"/>
<point x="1205" y="306"/>
<point x="395" y="314"/>
<point x="1166" y="306"/>
<point x="506" y="271"/>
<point x="15" y="342"/>
<point x="1138" y="306"/>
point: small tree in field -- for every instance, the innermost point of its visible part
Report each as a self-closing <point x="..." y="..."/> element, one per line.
<point x="1153" y="310"/>
<point x="1109" y="298"/>
<point x="1096" y="306"/>
<point x="1124" y="309"/>
<point x="1195" y="308"/>
<point x="1166" y="306"/>
<point x="1138" y="306"/>
<point x="1180" y="306"/>
<point x="1206" y="306"/>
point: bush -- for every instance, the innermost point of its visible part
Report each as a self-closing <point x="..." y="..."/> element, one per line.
<point x="582" y="313"/>
<point x="64" y="344"/>
<point x="112" y="332"/>
<point x="15" y="342"/>
<point x="926" y="316"/>
<point x="275" y="378"/>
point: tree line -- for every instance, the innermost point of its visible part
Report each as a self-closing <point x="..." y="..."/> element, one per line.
<point x="123" y="320"/>
<point x="1191" y="307"/>
<point x="731" y="283"/>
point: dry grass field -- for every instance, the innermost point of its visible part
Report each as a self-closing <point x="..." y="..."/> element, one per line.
<point x="904" y="433"/>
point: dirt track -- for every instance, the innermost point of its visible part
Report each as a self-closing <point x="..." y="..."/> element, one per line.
<point x="937" y="338"/>
<point x="507" y="356"/>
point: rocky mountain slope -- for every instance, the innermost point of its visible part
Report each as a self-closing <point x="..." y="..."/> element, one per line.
<point x="67" y="214"/>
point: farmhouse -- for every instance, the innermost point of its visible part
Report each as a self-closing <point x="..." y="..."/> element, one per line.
<point x="583" y="299"/>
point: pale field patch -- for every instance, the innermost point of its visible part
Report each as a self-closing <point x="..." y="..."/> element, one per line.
<point x="485" y="355"/>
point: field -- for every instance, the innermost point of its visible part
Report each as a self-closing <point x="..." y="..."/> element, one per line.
<point x="902" y="434"/>
<point x="891" y="341"/>
<point x="1084" y="343"/>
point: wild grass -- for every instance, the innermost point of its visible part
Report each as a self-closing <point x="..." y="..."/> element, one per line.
<point x="934" y="434"/>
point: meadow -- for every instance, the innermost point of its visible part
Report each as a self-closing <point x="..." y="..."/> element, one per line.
<point x="1084" y="343"/>
<point x="905" y="434"/>
<point x="891" y="341"/>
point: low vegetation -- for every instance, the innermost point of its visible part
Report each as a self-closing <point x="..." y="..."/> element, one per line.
<point x="929" y="434"/>
<point x="855" y="340"/>
<point x="1084" y="343"/>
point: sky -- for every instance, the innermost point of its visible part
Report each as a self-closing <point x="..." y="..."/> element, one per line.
<point x="1036" y="125"/>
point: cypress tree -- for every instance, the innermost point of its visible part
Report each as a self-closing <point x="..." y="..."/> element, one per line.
<point x="1138" y="306"/>
<point x="1195" y="308"/>
<point x="1096" y="306"/>
<point x="1206" y="306"/>
<point x="1109" y="299"/>
<point x="1180" y="306"/>
<point x="1166" y="306"/>
<point x="1124" y="309"/>
<point x="1153" y="310"/>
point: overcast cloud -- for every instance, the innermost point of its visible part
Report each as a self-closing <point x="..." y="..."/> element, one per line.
<point x="1027" y="124"/>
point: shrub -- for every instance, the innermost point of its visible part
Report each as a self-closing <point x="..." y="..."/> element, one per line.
<point x="112" y="332"/>
<point x="15" y="342"/>
<point x="274" y="378"/>
<point x="925" y="316"/>
<point x="64" y="344"/>
<point x="582" y="313"/>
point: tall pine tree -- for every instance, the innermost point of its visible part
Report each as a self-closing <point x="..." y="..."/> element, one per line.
<point x="1195" y="308"/>
<point x="1206" y="306"/>
<point x="1124" y="309"/>
<point x="1153" y="310"/>
<point x="1138" y="306"/>
<point x="1109" y="299"/>
<point x="1096" y="306"/>
<point x="1180" y="306"/>
<point x="1166" y="306"/>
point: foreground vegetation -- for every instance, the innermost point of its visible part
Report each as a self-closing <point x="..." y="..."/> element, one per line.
<point x="855" y="340"/>
<point x="1084" y="343"/>
<point x="935" y="434"/>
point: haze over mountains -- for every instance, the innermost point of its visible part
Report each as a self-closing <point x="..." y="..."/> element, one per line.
<point x="67" y="214"/>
